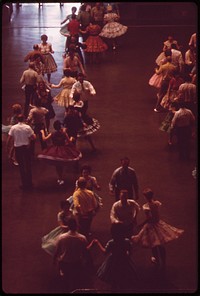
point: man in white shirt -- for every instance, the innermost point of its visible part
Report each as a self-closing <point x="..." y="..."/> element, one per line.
<point x="125" y="211"/>
<point x="84" y="88"/>
<point x="183" y="123"/>
<point x="177" y="58"/>
<point x="22" y="134"/>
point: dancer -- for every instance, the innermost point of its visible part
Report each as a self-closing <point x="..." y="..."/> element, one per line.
<point x="73" y="63"/>
<point x="84" y="88"/>
<point x="22" y="134"/>
<point x="17" y="109"/>
<point x="43" y="95"/>
<point x="91" y="184"/>
<point x="112" y="28"/>
<point x="118" y="268"/>
<point x="63" y="97"/>
<point x="61" y="152"/>
<point x="155" y="232"/>
<point x="45" y="48"/>
<point x="49" y="240"/>
<point x="85" y="205"/>
<point x="90" y="125"/>
<point x="124" y="177"/>
<point x="95" y="45"/>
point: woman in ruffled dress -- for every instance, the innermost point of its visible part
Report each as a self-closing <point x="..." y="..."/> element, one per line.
<point x="112" y="28"/>
<point x="50" y="65"/>
<point x="50" y="239"/>
<point x="90" y="124"/>
<point x="61" y="152"/>
<point x="155" y="232"/>
<point x="95" y="44"/>
<point x="63" y="98"/>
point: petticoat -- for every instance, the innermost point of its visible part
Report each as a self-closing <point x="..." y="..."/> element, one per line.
<point x="63" y="99"/>
<point x="113" y="30"/>
<point x="154" y="234"/>
<point x="95" y="44"/>
<point x="60" y="154"/>
<point x="49" y="64"/>
<point x="49" y="240"/>
<point x="90" y="128"/>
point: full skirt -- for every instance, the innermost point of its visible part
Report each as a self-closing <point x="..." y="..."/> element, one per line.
<point x="115" y="270"/>
<point x="113" y="30"/>
<point x="154" y="234"/>
<point x="49" y="64"/>
<point x="63" y="99"/>
<point x="49" y="240"/>
<point x="60" y="154"/>
<point x="95" y="44"/>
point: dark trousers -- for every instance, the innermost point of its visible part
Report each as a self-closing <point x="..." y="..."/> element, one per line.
<point x="29" y="92"/>
<point x="184" y="138"/>
<point x="37" y="130"/>
<point x="23" y="157"/>
<point x="85" y="223"/>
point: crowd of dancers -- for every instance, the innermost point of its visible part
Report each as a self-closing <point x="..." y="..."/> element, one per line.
<point x="71" y="241"/>
<point x="175" y="81"/>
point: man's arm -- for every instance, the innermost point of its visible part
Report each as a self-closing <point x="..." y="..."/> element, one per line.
<point x="112" y="182"/>
<point x="113" y="216"/>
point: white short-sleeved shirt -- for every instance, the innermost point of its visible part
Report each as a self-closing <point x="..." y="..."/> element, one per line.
<point x="21" y="133"/>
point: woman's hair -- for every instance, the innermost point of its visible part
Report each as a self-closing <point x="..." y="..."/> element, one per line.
<point x="57" y="125"/>
<point x="148" y="193"/>
<point x="86" y="167"/>
<point x="67" y="72"/>
<point x="17" y="109"/>
<point x="44" y="36"/>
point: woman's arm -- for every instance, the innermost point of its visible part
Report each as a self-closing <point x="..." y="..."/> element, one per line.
<point x="45" y="138"/>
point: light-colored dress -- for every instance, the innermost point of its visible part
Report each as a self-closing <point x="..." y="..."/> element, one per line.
<point x="63" y="98"/>
<point x="49" y="240"/>
<point x="49" y="62"/>
<point x="155" y="232"/>
<point x="112" y="28"/>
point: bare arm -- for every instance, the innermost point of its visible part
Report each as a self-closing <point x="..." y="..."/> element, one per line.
<point x="45" y="138"/>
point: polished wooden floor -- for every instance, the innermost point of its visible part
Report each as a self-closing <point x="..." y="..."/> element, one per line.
<point x="124" y="107"/>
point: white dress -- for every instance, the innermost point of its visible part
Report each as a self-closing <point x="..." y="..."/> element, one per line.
<point x="155" y="232"/>
<point x="112" y="28"/>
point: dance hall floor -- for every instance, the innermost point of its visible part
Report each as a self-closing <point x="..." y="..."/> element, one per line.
<point x="124" y="107"/>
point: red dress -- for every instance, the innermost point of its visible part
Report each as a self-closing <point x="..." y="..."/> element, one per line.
<point x="61" y="151"/>
<point x="94" y="42"/>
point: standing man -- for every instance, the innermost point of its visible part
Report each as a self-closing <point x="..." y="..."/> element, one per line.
<point x="70" y="254"/>
<point x="22" y="134"/>
<point x="85" y="205"/>
<point x="29" y="78"/>
<point x="84" y="88"/>
<point x="125" y="211"/>
<point x="124" y="177"/>
<point x="183" y="124"/>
